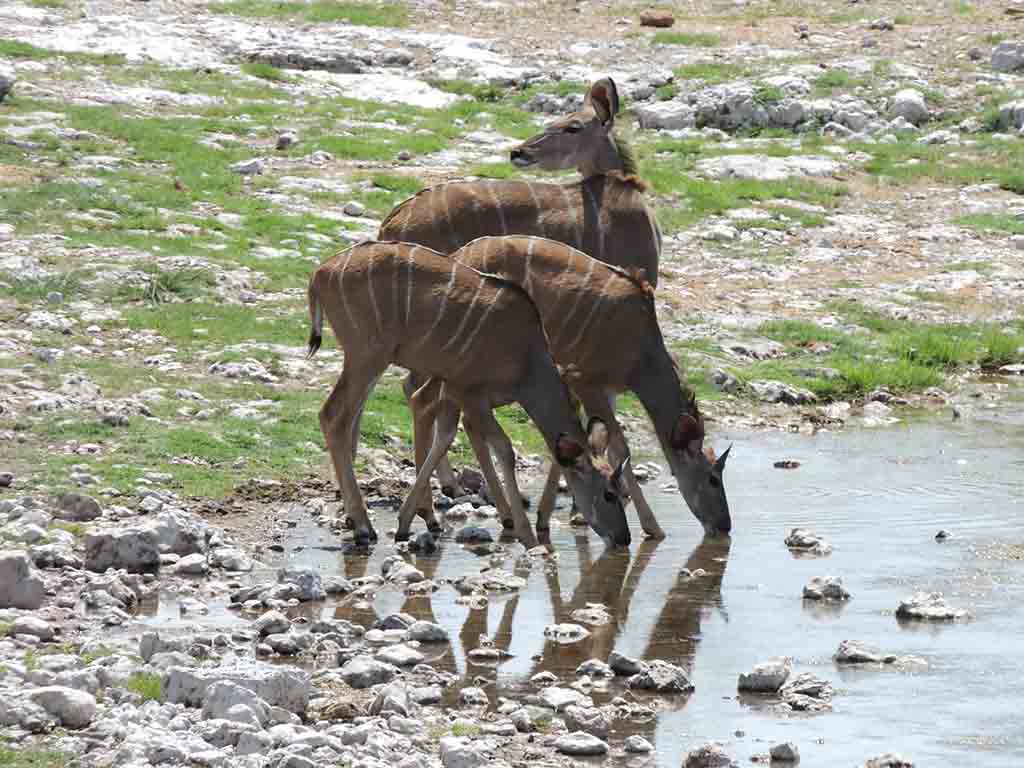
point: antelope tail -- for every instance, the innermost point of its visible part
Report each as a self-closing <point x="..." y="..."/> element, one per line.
<point x="316" y="316"/>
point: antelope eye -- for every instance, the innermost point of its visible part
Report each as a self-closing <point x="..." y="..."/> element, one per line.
<point x="574" y="127"/>
<point x="609" y="497"/>
<point x="715" y="482"/>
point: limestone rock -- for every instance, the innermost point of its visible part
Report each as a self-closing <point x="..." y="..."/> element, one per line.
<point x="928" y="606"/>
<point x="826" y="588"/>
<point x="710" y="755"/>
<point x="279" y="686"/>
<point x="566" y="633"/>
<point x="135" y="550"/>
<point x="77" y="508"/>
<point x="802" y="541"/>
<point x="581" y="744"/>
<point x="20" y="584"/>
<point x="910" y="105"/>
<point x="308" y="581"/>
<point x="786" y="752"/>
<point x="366" y="671"/>
<point x="1008" y="56"/>
<point x="625" y="666"/>
<point x="766" y="677"/>
<point x="661" y="677"/>
<point x="74" y="709"/>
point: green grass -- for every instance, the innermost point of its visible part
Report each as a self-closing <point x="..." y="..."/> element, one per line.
<point x="15" y="49"/>
<point x="31" y="758"/>
<point x="383" y="14"/>
<point x="993" y="222"/>
<point x="902" y="356"/>
<point x="669" y="166"/>
<point x="711" y="72"/>
<point x="907" y="162"/>
<point x="52" y="4"/>
<point x="148" y="685"/>
<point x="667" y="92"/>
<point x="161" y="286"/>
<point x="387" y="191"/>
<point x="769" y="94"/>
<point x="5" y="628"/>
<point x="75" y="529"/>
<point x="265" y="71"/>
<point x="466" y="729"/>
<point x="837" y="80"/>
<point x="500" y="170"/>
<point x="68" y="284"/>
<point x="691" y="39"/>
<point x="100" y="652"/>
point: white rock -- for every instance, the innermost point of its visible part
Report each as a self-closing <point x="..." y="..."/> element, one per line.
<point x="32" y="625"/>
<point x="580" y="744"/>
<point x="21" y="586"/>
<point x="74" y="709"/>
<point x="559" y="698"/>
<point x="637" y="744"/>
<point x="222" y="696"/>
<point x="766" y="677"/>
<point x="426" y="632"/>
<point x="279" y="686"/>
<point x="826" y="588"/>
<point x="250" y="167"/>
<point x="309" y="582"/>
<point x="803" y="541"/>
<point x="460" y="752"/>
<point x="766" y="168"/>
<point x="1008" y="56"/>
<point x="566" y="633"/>
<point x="192" y="565"/>
<point x="910" y="105"/>
<point x="365" y="671"/>
<point x="665" y="115"/>
<point x="928" y="606"/>
<point x="709" y="755"/>
<point x="271" y="623"/>
<point x="661" y="677"/>
<point x="401" y="656"/>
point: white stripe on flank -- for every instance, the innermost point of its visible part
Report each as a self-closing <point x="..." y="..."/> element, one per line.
<point x="373" y="296"/>
<point x="598" y="229"/>
<point x="536" y="206"/>
<point x="570" y="210"/>
<point x="497" y="207"/>
<point x="396" y="268"/>
<point x="341" y="287"/>
<point x="527" y="284"/>
<point x="408" y="284"/>
<point x="480" y="323"/>
<point x="448" y="219"/>
<point x="593" y="310"/>
<point x="581" y="289"/>
<point x="444" y="302"/>
<point x="465" y="317"/>
<point x="484" y="249"/>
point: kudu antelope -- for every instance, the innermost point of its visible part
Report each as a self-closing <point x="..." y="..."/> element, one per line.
<point x="603" y="332"/>
<point x="404" y="304"/>
<point x="603" y="215"/>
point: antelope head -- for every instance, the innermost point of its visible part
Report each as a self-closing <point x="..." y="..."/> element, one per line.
<point x="598" y="489"/>
<point x="580" y="140"/>
<point x="698" y="473"/>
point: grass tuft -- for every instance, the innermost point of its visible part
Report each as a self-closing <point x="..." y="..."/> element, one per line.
<point x="691" y="39"/>
<point x="147" y="684"/>
<point x="265" y="71"/>
<point x="383" y="14"/>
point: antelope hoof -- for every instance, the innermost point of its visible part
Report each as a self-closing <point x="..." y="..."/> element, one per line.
<point x="435" y="528"/>
<point x="450" y="491"/>
<point x="508" y="524"/>
<point x="654" y="532"/>
<point x="364" y="537"/>
<point x="401" y="536"/>
<point x="526" y="502"/>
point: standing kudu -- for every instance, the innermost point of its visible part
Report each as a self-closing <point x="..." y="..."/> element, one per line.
<point x="604" y="215"/>
<point x="480" y="336"/>
<point x="603" y="332"/>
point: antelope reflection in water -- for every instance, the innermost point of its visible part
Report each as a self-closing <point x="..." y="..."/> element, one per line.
<point x="615" y="579"/>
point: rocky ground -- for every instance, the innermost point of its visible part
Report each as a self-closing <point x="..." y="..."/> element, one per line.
<point x="840" y="189"/>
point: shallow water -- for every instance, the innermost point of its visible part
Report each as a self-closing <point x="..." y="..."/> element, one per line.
<point x="878" y="496"/>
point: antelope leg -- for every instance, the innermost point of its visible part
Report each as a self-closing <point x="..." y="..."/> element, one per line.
<point x="483" y="455"/>
<point x="339" y="422"/>
<point x="445" y="427"/>
<point x="498" y="440"/>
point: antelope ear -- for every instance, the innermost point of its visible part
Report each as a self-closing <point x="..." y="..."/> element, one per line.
<point x="709" y="451"/>
<point x="686" y="431"/>
<point x="603" y="98"/>
<point x="597" y="436"/>
<point x="567" y="450"/>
